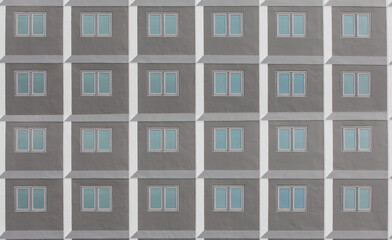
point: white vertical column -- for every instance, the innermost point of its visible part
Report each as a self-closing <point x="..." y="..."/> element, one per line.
<point x="2" y="113"/>
<point x="389" y="113"/>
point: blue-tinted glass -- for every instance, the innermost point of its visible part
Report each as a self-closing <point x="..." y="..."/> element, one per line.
<point x="155" y="198"/>
<point x="104" y="83"/>
<point x="299" y="83"/>
<point x="104" y="198"/>
<point x="38" y="139"/>
<point x="23" y="83"/>
<point x="38" y="198"/>
<point x="171" y="198"/>
<point x="220" y="139"/>
<point x="104" y="139"/>
<point x="284" y="198"/>
<point x="363" y="25"/>
<point x="155" y="24"/>
<point x="23" y="198"/>
<point x="170" y="139"/>
<point x="348" y="25"/>
<point x="171" y="83"/>
<point x="23" y="139"/>
<point x="363" y="84"/>
<point x="299" y="198"/>
<point x="349" y="139"/>
<point x="283" y="83"/>
<point x="104" y="24"/>
<point x="88" y="82"/>
<point x="88" y="139"/>
<point x="235" y="24"/>
<point x="284" y="139"/>
<point x="170" y="24"/>
<point x="349" y="198"/>
<point x="88" y="198"/>
<point x="236" y="198"/>
<point x="155" y="83"/>
<point x="283" y="24"/>
<point x="155" y="139"/>
<point x="235" y="83"/>
<point x="38" y="24"/>
<point x="299" y="139"/>
<point x="220" y="198"/>
<point x="348" y="84"/>
<point x="364" y="198"/>
<point x="88" y="24"/>
<point x="364" y="139"/>
<point x="298" y="24"/>
<point x="38" y="83"/>
<point x="235" y="139"/>
<point x="220" y="83"/>
<point x="23" y="24"/>
<point x="220" y="24"/>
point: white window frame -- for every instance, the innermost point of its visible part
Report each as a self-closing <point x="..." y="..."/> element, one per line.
<point x="228" y="83"/>
<point x="96" y="24"/>
<point x="291" y="25"/>
<point x="163" y="199"/>
<point x="227" y="24"/>
<point x="96" y="141"/>
<point x="30" y="24"/>
<point x="30" y="198"/>
<point x="228" y="198"/>
<point x="291" y="83"/>
<point x="162" y="22"/>
<point x="228" y="139"/>
<point x="292" y="198"/>
<point x="96" y="199"/>
<point x="356" y="25"/>
<point x="163" y="133"/>
<point x="30" y="82"/>
<point x="357" y="139"/>
<point x="356" y="199"/>
<point x="356" y="84"/>
<point x="96" y="83"/>
<point x="163" y="83"/>
<point x="30" y="140"/>
<point x="291" y="138"/>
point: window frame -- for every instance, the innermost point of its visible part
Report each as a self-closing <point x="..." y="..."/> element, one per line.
<point x="356" y="84"/>
<point x="228" y="139"/>
<point x="162" y="147"/>
<point x="162" y="24"/>
<point x="29" y="140"/>
<point x="228" y="83"/>
<point x="292" y="198"/>
<point x="96" y="199"/>
<point x="228" y="198"/>
<point x="356" y="25"/>
<point x="357" y="199"/>
<point x="30" y="82"/>
<point x="291" y="138"/>
<point x="163" y="198"/>
<point x="96" y="141"/>
<point x="96" y="83"/>
<point x="227" y="24"/>
<point x="163" y="83"/>
<point x="30" y="198"/>
<point x="357" y="139"/>
<point x="96" y="24"/>
<point x="291" y="83"/>
<point x="30" y="24"/>
<point x="291" y="25"/>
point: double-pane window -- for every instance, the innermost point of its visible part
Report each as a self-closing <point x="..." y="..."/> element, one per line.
<point x="163" y="83"/>
<point x="228" y="83"/>
<point x="227" y="24"/>
<point x="356" y="25"/>
<point x="163" y="140"/>
<point x="96" y="83"/>
<point x="30" y="83"/>
<point x="163" y="198"/>
<point x="162" y="24"/>
<point x="357" y="139"/>
<point x="291" y="84"/>
<point x="96" y="24"/>
<point x="228" y="198"/>
<point x="30" y="198"/>
<point x="292" y="139"/>
<point x="292" y="24"/>
<point x="356" y="84"/>
<point x="96" y="139"/>
<point x="30" y="24"/>
<point x="292" y="198"/>
<point x="96" y="199"/>
<point x="228" y="139"/>
<point x="357" y="198"/>
<point x="30" y="139"/>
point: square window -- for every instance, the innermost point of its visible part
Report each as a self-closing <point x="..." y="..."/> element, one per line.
<point x="291" y="84"/>
<point x="291" y="24"/>
<point x="357" y="198"/>
<point x="162" y="24"/>
<point x="163" y="83"/>
<point x="96" y="83"/>
<point x="96" y="24"/>
<point x="228" y="83"/>
<point x="357" y="139"/>
<point x="292" y="139"/>
<point x="228" y="139"/>
<point x="96" y="198"/>
<point x="30" y="24"/>
<point x="30" y="83"/>
<point x="30" y="198"/>
<point x="227" y="24"/>
<point x="163" y="140"/>
<point x="228" y="198"/>
<point x="356" y="25"/>
<point x="163" y="198"/>
<point x="30" y="140"/>
<point x="96" y="140"/>
<point x="291" y="198"/>
<point x="356" y="84"/>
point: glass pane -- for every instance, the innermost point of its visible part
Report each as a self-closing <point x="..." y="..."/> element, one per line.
<point x="364" y="198"/>
<point x="170" y="24"/>
<point x="104" y="139"/>
<point x="220" y="139"/>
<point x="171" y="83"/>
<point x="220" y="24"/>
<point x="155" y="198"/>
<point x="88" y="24"/>
<point x="283" y="83"/>
<point x="170" y="139"/>
<point x="23" y="83"/>
<point x="38" y="139"/>
<point x="298" y="24"/>
<point x="235" y="83"/>
<point x="349" y="139"/>
<point x="104" y="24"/>
<point x="155" y="83"/>
<point x="104" y="198"/>
<point x="284" y="198"/>
<point x="23" y="198"/>
<point x="284" y="139"/>
<point x="235" y="139"/>
<point x="363" y="84"/>
<point x="299" y="198"/>
<point x="283" y="25"/>
<point x="171" y="198"/>
<point x="235" y="24"/>
<point x="348" y="25"/>
<point x="38" y="24"/>
<point x="38" y="83"/>
<point x="220" y="198"/>
<point x="88" y="140"/>
<point x="155" y="24"/>
<point x="220" y="83"/>
<point x="88" y="83"/>
<point x="155" y="139"/>
<point x="88" y="198"/>
<point x="364" y="139"/>
<point x="23" y="24"/>
<point x="299" y="139"/>
<point x="236" y="198"/>
<point x="38" y="198"/>
<point x="23" y="139"/>
<point x="348" y="84"/>
<point x="363" y="25"/>
<point x="299" y="83"/>
<point x="349" y="198"/>
<point x="104" y="83"/>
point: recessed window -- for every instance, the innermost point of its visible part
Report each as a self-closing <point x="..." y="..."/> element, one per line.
<point x="30" y="140"/>
<point x="356" y="199"/>
<point x="228" y="198"/>
<point x="96" y="199"/>
<point x="357" y="139"/>
<point x="96" y="24"/>
<point x="30" y="83"/>
<point x="163" y="140"/>
<point x="228" y="140"/>
<point x="292" y="139"/>
<point x="356" y="25"/>
<point x="228" y="83"/>
<point x="96" y="139"/>
<point x="163" y="198"/>
<point x="30" y="198"/>
<point x="163" y="83"/>
<point x="291" y="84"/>
<point x="291" y="24"/>
<point x="30" y="24"/>
<point x="227" y="24"/>
<point x="96" y="83"/>
<point x="162" y="24"/>
<point x="356" y="84"/>
<point x="292" y="198"/>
